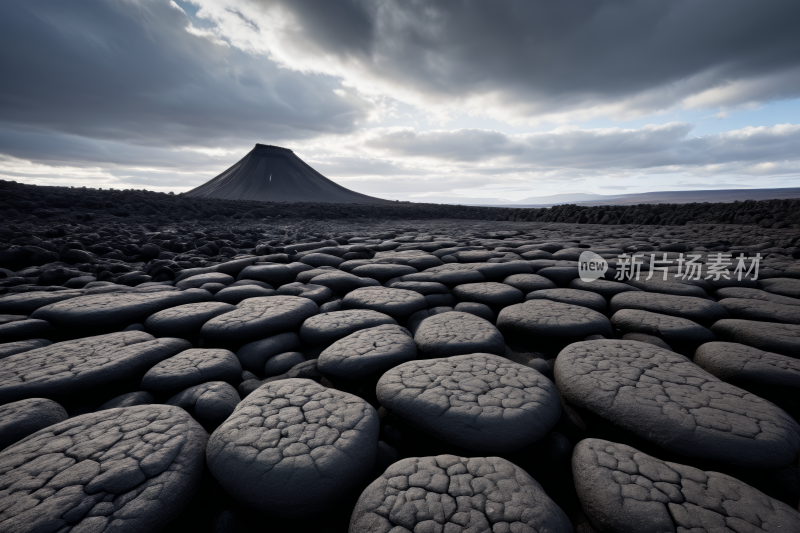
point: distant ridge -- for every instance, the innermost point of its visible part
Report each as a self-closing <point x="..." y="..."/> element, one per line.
<point x="662" y="197"/>
<point x="274" y="174"/>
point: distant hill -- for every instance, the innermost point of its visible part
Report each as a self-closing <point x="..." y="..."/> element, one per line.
<point x="564" y="198"/>
<point x="663" y="197"/>
<point x="274" y="174"/>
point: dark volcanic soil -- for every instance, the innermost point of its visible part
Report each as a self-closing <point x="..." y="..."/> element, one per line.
<point x="18" y="201"/>
<point x="626" y="397"/>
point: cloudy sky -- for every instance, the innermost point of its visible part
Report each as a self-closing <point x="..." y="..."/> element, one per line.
<point x="428" y="101"/>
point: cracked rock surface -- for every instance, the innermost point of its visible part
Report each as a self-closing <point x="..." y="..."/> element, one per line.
<point x="195" y="282"/>
<point x="283" y="362"/>
<point x="185" y="320"/>
<point x="424" y="288"/>
<point x="659" y="285"/>
<point x="330" y="327"/>
<point x="209" y="403"/>
<point x="5" y="319"/>
<point x="560" y="275"/>
<point x="129" y="399"/>
<point x="132" y="252"/>
<point x="457" y="333"/>
<point x="500" y="271"/>
<point x="192" y="367"/>
<point x="11" y="348"/>
<point x="127" y="470"/>
<point x="20" y="419"/>
<point x="649" y="339"/>
<point x="318" y="294"/>
<point x="622" y="489"/>
<point x="605" y="288"/>
<point x="114" y="309"/>
<point x="547" y="318"/>
<point x="76" y="366"/>
<point x="730" y="361"/>
<point x="668" y="328"/>
<point x="367" y="351"/>
<point x="770" y="337"/>
<point x="750" y="309"/>
<point x="571" y="296"/>
<point x="665" y="398"/>
<point x="341" y="282"/>
<point x="529" y="282"/>
<point x="416" y="319"/>
<point x="784" y="287"/>
<point x="383" y="272"/>
<point x="480" y="310"/>
<point x="28" y="302"/>
<point x="292" y="448"/>
<point x="20" y="330"/>
<point x="256" y="318"/>
<point x="449" y="278"/>
<point x="480" y="402"/>
<point x="755" y="294"/>
<point x="254" y="355"/>
<point x="702" y="311"/>
<point x="489" y="293"/>
<point x="456" y="494"/>
<point x="275" y="275"/>
<point x="397" y="303"/>
<point x="236" y="295"/>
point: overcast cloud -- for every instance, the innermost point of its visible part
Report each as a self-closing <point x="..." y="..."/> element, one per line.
<point x="404" y="99"/>
<point x="129" y="71"/>
<point x="526" y="61"/>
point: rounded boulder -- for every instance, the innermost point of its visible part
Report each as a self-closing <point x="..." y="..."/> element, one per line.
<point x="294" y="448"/>
<point x="259" y="317"/>
<point x="20" y="419"/>
<point x="367" y="352"/>
<point x="493" y="294"/>
<point x="192" y="367"/>
<point x="704" y="312"/>
<point x="450" y="493"/>
<point x="209" y="403"/>
<point x="456" y="333"/>
<point x="185" y="320"/>
<point x="623" y="489"/>
<point x="669" y="328"/>
<point x="549" y="321"/>
<point x="665" y="398"/>
<point x="195" y="282"/>
<point x="529" y="282"/>
<point x="316" y="293"/>
<point x="571" y="296"/>
<point x="131" y="469"/>
<point x="383" y="272"/>
<point x="330" y="327"/>
<point x="236" y="295"/>
<point x="481" y="402"/>
<point x="79" y="366"/>
<point x="397" y="303"/>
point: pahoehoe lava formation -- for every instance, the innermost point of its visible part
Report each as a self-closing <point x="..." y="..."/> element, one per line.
<point x="274" y="174"/>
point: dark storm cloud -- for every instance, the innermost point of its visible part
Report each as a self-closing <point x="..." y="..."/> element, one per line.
<point x="129" y="72"/>
<point x="549" y="56"/>
<point x="137" y="92"/>
<point x="72" y="150"/>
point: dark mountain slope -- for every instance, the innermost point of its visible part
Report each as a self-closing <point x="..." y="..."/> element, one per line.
<point x="275" y="174"/>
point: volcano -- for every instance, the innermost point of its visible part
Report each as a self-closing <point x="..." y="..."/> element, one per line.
<point x="274" y="174"/>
